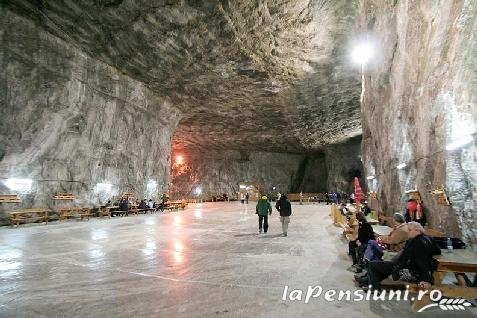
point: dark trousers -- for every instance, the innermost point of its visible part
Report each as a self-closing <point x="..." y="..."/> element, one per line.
<point x="379" y="270"/>
<point x="355" y="249"/>
<point x="263" y="219"/>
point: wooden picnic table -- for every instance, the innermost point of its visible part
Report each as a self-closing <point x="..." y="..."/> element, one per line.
<point x="64" y="213"/>
<point x="382" y="230"/>
<point x="28" y="214"/>
<point x="106" y="211"/>
<point x="459" y="262"/>
<point x="372" y="221"/>
<point x="175" y="205"/>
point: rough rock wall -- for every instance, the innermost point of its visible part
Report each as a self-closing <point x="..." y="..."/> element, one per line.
<point x="343" y="162"/>
<point x="419" y="100"/>
<point x="218" y="172"/>
<point x="69" y="122"/>
<point x="315" y="175"/>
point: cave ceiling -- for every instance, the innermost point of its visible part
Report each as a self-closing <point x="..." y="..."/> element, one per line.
<point x="247" y="75"/>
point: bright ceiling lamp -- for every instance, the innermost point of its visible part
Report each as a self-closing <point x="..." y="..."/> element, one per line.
<point x="362" y="53"/>
<point x="401" y="166"/>
<point x="179" y="159"/>
<point x="103" y="187"/>
<point x="370" y="177"/>
<point x="151" y="185"/>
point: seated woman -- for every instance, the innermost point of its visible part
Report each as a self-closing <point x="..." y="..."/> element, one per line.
<point x="358" y="247"/>
<point x="394" y="241"/>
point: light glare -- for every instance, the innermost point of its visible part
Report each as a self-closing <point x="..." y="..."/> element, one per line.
<point x="362" y="53"/>
<point x="401" y="165"/>
<point x="17" y="184"/>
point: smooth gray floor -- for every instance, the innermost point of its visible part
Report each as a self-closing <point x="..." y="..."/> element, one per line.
<point x="206" y="261"/>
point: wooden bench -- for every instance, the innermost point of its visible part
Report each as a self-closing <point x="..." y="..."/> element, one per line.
<point x="26" y="215"/>
<point x="9" y="198"/>
<point x="348" y="232"/>
<point x="64" y="196"/>
<point x="65" y="213"/>
<point x="106" y="211"/>
<point x="132" y="211"/>
<point x="175" y="205"/>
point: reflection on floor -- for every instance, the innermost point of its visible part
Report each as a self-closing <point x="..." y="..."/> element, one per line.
<point x="206" y="261"/>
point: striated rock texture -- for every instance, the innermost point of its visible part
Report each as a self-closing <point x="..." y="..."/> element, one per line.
<point x="343" y="163"/>
<point x="419" y="101"/>
<point x="69" y="122"/>
<point x="248" y="75"/>
<point x="219" y="172"/>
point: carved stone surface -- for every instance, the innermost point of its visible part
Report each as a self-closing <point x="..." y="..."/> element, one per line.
<point x="247" y="74"/>
<point x="418" y="102"/>
<point x="69" y="122"/>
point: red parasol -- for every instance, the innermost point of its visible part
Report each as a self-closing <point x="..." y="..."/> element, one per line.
<point x="358" y="192"/>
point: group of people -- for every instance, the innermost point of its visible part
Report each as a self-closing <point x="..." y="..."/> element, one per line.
<point x="339" y="197"/>
<point x="244" y="197"/>
<point x="264" y="209"/>
<point x="406" y="253"/>
<point x="125" y="204"/>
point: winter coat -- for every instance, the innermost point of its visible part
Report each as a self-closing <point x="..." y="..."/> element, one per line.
<point x="283" y="206"/>
<point x="417" y="256"/>
<point x="263" y="207"/>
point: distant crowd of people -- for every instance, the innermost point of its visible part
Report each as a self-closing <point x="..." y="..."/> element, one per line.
<point x="126" y="203"/>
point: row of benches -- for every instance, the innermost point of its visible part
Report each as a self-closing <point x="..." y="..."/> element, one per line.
<point x="42" y="215"/>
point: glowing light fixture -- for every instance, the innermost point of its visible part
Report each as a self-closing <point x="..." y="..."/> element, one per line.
<point x="198" y="190"/>
<point x="17" y="184"/>
<point x="362" y="53"/>
<point x="459" y="142"/>
<point x="370" y="177"/>
<point x="401" y="166"/>
<point x="179" y="159"/>
<point x="103" y="187"/>
<point x="151" y="185"/>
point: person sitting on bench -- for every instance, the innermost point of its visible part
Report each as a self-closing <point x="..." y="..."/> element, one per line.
<point x="143" y="205"/>
<point x="365" y="233"/>
<point x="394" y="242"/>
<point x="415" y="263"/>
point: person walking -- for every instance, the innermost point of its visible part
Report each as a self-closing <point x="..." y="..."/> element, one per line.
<point x="284" y="207"/>
<point x="263" y="209"/>
<point x="246" y="197"/>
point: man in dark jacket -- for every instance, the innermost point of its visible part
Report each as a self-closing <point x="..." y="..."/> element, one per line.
<point x="263" y="209"/>
<point x="416" y="257"/>
<point x="365" y="233"/>
<point x="284" y="207"/>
